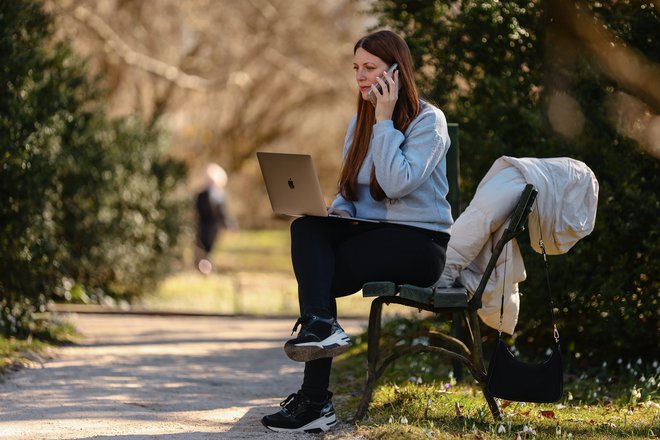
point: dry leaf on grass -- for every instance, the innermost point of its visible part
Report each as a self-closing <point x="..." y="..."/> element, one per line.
<point x="548" y="414"/>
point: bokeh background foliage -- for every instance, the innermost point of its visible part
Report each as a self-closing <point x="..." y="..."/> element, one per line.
<point x="523" y="79"/>
<point x="86" y="205"/>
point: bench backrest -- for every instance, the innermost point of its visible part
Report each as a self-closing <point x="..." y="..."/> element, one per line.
<point x="453" y="170"/>
<point x="516" y="226"/>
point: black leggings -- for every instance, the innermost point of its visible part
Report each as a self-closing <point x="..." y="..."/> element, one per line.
<point x="334" y="257"/>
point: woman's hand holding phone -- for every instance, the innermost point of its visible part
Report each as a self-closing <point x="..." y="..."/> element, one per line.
<point x="386" y="93"/>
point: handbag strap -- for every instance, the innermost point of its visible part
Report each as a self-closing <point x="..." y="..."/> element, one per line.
<point x="555" y="331"/>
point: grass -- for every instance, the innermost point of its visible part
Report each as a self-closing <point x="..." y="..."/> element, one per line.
<point x="418" y="397"/>
<point x="15" y="353"/>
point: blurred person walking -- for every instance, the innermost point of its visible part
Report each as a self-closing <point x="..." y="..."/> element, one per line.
<point x="212" y="216"/>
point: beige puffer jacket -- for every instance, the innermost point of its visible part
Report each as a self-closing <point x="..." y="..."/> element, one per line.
<point x="565" y="209"/>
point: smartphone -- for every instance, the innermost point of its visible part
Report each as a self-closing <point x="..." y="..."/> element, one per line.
<point x="370" y="95"/>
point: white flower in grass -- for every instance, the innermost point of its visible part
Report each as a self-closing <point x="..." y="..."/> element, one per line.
<point x="501" y="429"/>
<point x="403" y="420"/>
<point x="390" y="420"/>
<point x="528" y="430"/>
<point x="643" y="378"/>
<point x="558" y="431"/>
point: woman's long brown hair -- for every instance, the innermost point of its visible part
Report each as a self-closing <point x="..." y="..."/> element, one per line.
<point x="390" y="48"/>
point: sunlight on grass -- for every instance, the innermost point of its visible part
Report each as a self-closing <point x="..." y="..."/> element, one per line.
<point x="252" y="275"/>
<point x="258" y="293"/>
<point x="418" y="397"/>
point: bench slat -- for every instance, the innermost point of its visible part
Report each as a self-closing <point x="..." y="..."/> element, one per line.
<point x="449" y="297"/>
<point x="379" y="288"/>
<point x="455" y="297"/>
<point x="423" y="295"/>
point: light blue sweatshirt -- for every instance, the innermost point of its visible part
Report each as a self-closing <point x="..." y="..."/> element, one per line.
<point x="411" y="168"/>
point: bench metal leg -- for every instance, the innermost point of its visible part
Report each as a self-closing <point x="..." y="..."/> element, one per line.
<point x="474" y="360"/>
<point x="373" y="354"/>
<point x="492" y="404"/>
<point x="478" y="362"/>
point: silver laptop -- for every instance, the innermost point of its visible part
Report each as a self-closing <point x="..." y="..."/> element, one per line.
<point x="293" y="186"/>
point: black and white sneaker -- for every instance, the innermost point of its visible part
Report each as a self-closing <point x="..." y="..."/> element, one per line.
<point x="300" y="414"/>
<point x="318" y="338"/>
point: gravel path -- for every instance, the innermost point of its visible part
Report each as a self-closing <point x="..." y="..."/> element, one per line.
<point x="153" y="377"/>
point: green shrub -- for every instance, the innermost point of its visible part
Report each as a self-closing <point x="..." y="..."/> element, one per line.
<point x="85" y="202"/>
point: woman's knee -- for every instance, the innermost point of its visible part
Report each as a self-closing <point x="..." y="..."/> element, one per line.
<point x="303" y="225"/>
<point x="311" y="227"/>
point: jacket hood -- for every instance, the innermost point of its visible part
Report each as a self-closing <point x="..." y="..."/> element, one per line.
<point x="565" y="209"/>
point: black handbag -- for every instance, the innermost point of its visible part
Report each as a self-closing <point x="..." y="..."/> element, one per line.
<point x="512" y="379"/>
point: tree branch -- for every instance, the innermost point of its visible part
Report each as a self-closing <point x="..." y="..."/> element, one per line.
<point x="134" y="58"/>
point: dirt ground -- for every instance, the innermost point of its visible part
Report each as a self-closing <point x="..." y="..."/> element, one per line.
<point x="155" y="377"/>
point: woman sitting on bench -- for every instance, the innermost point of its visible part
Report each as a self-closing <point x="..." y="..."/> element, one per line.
<point x="393" y="172"/>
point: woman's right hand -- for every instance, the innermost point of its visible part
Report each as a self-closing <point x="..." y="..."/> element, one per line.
<point x="386" y="100"/>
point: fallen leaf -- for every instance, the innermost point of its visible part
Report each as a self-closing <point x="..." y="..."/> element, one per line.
<point x="548" y="414"/>
<point x="526" y="413"/>
<point x="505" y="404"/>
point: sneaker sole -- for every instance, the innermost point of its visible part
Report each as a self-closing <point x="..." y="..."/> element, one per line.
<point x="322" y="424"/>
<point x="332" y="346"/>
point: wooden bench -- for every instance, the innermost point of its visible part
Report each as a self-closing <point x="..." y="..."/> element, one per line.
<point x="466" y="349"/>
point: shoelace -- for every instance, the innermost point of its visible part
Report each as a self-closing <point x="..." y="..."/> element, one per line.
<point x="300" y="321"/>
<point x="286" y="401"/>
<point x="293" y="403"/>
<point x="304" y="321"/>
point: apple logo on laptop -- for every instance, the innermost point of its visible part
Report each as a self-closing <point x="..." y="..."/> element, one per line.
<point x="291" y="185"/>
